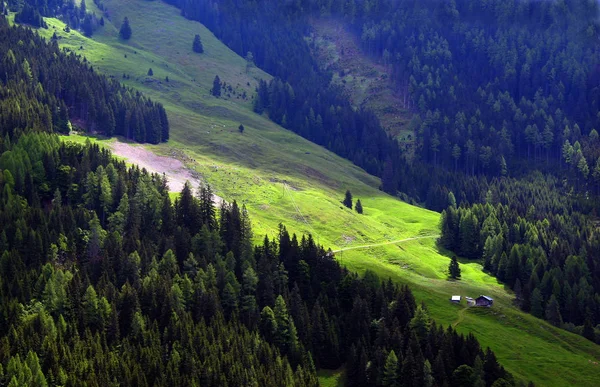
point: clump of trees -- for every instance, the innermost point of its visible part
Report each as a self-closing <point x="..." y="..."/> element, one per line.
<point x="135" y="276"/>
<point x="68" y="89"/>
<point x="543" y="255"/>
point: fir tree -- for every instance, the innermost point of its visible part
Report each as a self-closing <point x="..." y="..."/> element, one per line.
<point x="125" y="31"/>
<point x="216" y="89"/>
<point x="348" y="199"/>
<point x="241" y="128"/>
<point x="150" y="72"/>
<point x="553" y="312"/>
<point x="197" y="45"/>
<point x="454" y="268"/>
<point x="358" y="207"/>
<point x="390" y="371"/>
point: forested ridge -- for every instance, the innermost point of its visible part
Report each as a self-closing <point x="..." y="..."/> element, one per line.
<point x="109" y="282"/>
<point x="501" y="91"/>
<point x="474" y="124"/>
<point x="43" y="88"/>
<point x="104" y="280"/>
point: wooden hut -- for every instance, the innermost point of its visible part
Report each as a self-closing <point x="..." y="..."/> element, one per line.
<point x="484" y="301"/>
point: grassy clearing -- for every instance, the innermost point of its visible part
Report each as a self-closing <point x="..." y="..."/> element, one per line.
<point x="365" y="79"/>
<point x="331" y="378"/>
<point x="281" y="177"/>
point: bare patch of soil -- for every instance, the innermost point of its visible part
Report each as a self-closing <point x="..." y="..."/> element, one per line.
<point x="175" y="170"/>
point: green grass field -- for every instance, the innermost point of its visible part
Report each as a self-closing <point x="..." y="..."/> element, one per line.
<point x="281" y="177"/>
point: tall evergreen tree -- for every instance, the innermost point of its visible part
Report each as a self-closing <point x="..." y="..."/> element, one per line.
<point x="391" y="377"/>
<point x="454" y="268"/>
<point x="197" y="45"/>
<point x="358" y="207"/>
<point x="348" y="199"/>
<point x="216" y="89"/>
<point x="125" y="32"/>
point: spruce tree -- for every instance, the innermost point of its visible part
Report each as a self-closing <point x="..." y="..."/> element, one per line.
<point x="125" y="31"/>
<point x="348" y="199"/>
<point x="454" y="269"/>
<point x="197" y="45"/>
<point x="553" y="312"/>
<point x="216" y="89"/>
<point x="390" y="371"/>
<point x="241" y="128"/>
<point x="358" y="207"/>
<point x="150" y="72"/>
<point x="537" y="303"/>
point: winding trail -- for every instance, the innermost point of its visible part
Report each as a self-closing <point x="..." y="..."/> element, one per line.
<point x="461" y="316"/>
<point x="386" y="243"/>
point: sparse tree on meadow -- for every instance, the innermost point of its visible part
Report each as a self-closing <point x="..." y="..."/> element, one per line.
<point x="348" y="199"/>
<point x="358" y="207"/>
<point x="216" y="89"/>
<point x="125" y="31"/>
<point x="197" y="46"/>
<point x="454" y="268"/>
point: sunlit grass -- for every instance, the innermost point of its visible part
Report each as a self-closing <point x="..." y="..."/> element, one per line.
<point x="282" y="178"/>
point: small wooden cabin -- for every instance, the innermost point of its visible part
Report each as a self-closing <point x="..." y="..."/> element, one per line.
<point x="484" y="301"/>
<point x="455" y="299"/>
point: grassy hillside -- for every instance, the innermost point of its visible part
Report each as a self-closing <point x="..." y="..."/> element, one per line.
<point x="284" y="178"/>
<point x="368" y="82"/>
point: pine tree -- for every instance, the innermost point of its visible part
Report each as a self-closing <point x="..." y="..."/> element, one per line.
<point x="216" y="89"/>
<point x="454" y="268"/>
<point x="588" y="330"/>
<point x="348" y="199"/>
<point x="553" y="312"/>
<point x="150" y="72"/>
<point x="469" y="235"/>
<point x="241" y="128"/>
<point x="537" y="307"/>
<point x="390" y="370"/>
<point x="358" y="207"/>
<point x="197" y="45"/>
<point x="125" y="31"/>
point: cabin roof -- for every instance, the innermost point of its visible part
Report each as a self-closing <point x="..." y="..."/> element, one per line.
<point x="455" y="298"/>
<point x="487" y="298"/>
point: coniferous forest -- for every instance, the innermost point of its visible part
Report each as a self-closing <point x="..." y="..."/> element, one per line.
<point x="505" y="100"/>
<point x="43" y="88"/>
<point x="104" y="280"/>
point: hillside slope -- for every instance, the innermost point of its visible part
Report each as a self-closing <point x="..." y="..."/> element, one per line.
<point x="368" y="83"/>
<point x="281" y="177"/>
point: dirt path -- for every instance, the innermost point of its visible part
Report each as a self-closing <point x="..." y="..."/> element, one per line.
<point x="177" y="173"/>
<point x="386" y="243"/>
<point x="461" y="316"/>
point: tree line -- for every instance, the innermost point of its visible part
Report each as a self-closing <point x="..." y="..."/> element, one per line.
<point x="68" y="90"/>
<point x="106" y="280"/>
<point x="548" y="260"/>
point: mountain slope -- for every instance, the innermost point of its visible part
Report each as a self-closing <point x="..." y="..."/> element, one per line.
<point x="251" y="168"/>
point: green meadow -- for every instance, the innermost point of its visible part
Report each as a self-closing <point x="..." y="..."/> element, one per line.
<point x="282" y="178"/>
